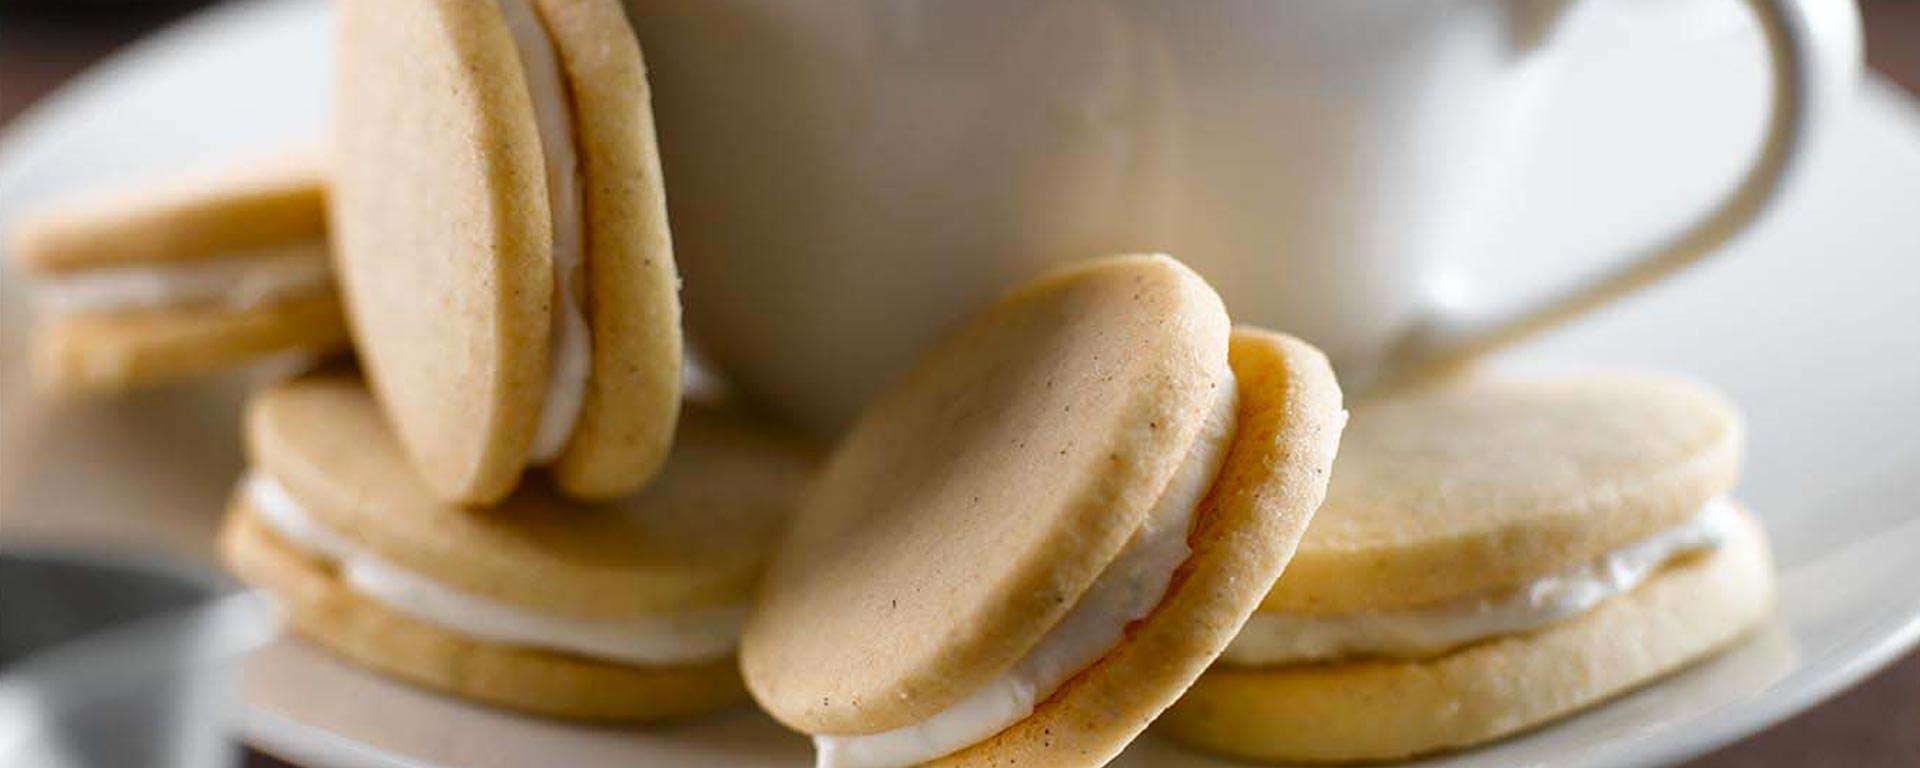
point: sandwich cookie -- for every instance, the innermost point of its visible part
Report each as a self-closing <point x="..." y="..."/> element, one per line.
<point x="628" y="610"/>
<point x="183" y="278"/>
<point x="502" y="241"/>
<point x="1026" y="550"/>
<point x="1492" y="555"/>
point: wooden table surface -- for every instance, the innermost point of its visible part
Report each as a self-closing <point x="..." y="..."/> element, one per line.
<point x="1874" y="725"/>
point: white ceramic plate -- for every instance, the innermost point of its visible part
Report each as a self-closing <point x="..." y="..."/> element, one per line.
<point x="1812" y="324"/>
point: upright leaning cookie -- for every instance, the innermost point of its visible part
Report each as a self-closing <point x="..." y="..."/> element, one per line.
<point x="502" y="241"/>
<point x="621" y="611"/>
<point x="1493" y="555"/>
<point x="182" y="278"/>
<point x="1047" y="530"/>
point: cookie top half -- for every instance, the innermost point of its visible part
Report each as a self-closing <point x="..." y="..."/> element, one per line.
<point x="468" y="246"/>
<point x="697" y="537"/>
<point x="1481" y="484"/>
<point x="262" y="204"/>
<point x="972" y="505"/>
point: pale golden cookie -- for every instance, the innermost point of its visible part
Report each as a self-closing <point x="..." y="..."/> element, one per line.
<point x="265" y="202"/>
<point x="634" y="299"/>
<point x="446" y="241"/>
<point x="974" y="505"/>
<point x="1481" y="483"/>
<point x="693" y="544"/>
<point x="182" y="278"/>
<point x="1073" y="400"/>
<point x="321" y="607"/>
<point x="118" y="351"/>
<point x="1274" y="478"/>
<point x="1389" y="709"/>
<point x="1493" y="554"/>
<point x="697" y="537"/>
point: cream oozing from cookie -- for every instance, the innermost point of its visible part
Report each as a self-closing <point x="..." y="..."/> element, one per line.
<point x="1127" y="590"/>
<point x="570" y="342"/>
<point x="239" y="280"/>
<point x="1272" y="638"/>
<point x="673" y="638"/>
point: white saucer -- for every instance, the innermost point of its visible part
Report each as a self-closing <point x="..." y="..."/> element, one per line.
<point x="1812" y="325"/>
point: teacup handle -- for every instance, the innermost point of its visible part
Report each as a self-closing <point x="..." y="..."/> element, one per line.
<point x="1815" y="50"/>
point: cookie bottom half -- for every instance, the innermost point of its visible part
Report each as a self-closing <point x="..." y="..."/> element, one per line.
<point x="117" y="351"/>
<point x="1390" y="709"/>
<point x="320" y="607"/>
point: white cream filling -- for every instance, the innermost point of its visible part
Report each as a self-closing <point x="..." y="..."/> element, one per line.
<point x="570" y="343"/>
<point x="1127" y="590"/>
<point x="681" y="638"/>
<point x="242" y="279"/>
<point x="1272" y="638"/>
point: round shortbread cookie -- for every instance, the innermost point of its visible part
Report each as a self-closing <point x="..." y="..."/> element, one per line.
<point x="321" y="607"/>
<point x="261" y="204"/>
<point x="123" y="350"/>
<point x="1274" y="478"/>
<point x="697" y="537"/>
<point x="1473" y="486"/>
<point x="972" y="505"/>
<point x="1385" y="710"/>
<point x="445" y="242"/>
<point x="150" y="284"/>
<point x="633" y="304"/>
<point x="442" y="235"/>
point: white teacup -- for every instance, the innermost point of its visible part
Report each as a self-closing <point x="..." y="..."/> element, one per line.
<point x="849" y="178"/>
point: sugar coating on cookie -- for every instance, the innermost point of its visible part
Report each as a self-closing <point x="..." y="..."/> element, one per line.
<point x="976" y="551"/>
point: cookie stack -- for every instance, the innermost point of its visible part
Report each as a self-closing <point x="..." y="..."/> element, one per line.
<point x="617" y="610"/>
<point x="1097" y="502"/>
<point x="1047" y="530"/>
<point x="183" y="278"/>
<point x="501" y="244"/>
<point x="1073" y="512"/>
<point x="502" y="241"/>
<point x="1493" y="554"/>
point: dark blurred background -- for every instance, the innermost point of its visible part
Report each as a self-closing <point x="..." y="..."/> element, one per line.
<point x="45" y="42"/>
